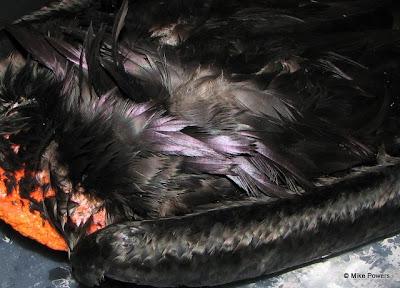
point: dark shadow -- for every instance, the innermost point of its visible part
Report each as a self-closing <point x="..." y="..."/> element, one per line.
<point x="12" y="10"/>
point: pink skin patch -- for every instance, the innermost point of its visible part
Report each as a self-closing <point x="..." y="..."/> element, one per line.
<point x="88" y="208"/>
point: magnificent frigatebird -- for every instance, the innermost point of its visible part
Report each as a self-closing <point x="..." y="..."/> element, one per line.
<point x="198" y="143"/>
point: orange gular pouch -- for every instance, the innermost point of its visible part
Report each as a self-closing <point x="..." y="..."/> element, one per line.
<point x="17" y="211"/>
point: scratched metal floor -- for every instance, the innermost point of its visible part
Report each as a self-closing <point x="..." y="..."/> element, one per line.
<point x="24" y="263"/>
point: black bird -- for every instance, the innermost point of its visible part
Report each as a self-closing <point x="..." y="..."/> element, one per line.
<point x="223" y="139"/>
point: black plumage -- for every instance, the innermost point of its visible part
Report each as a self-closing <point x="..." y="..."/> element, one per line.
<point x="220" y="136"/>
